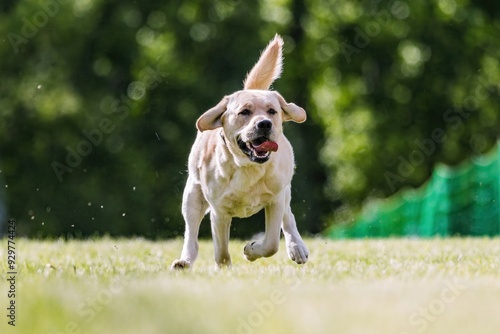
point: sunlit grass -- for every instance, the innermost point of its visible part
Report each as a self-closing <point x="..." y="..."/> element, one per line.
<point x="360" y="286"/>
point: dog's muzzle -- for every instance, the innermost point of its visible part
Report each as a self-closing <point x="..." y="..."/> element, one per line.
<point x="259" y="148"/>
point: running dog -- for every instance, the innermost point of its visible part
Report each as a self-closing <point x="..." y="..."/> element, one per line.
<point x="241" y="163"/>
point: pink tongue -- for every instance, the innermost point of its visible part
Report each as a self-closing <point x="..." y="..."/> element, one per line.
<point x="267" y="146"/>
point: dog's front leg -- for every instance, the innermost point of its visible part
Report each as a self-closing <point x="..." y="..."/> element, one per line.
<point x="194" y="207"/>
<point x="295" y="246"/>
<point x="221" y="224"/>
<point x="270" y="244"/>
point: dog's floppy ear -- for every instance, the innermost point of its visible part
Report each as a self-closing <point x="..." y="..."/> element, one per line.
<point x="211" y="119"/>
<point x="291" y="111"/>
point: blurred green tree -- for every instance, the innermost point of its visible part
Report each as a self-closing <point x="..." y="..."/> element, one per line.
<point x="98" y="105"/>
<point x="98" y="101"/>
<point x="399" y="86"/>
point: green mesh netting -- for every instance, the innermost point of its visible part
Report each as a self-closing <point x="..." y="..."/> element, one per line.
<point x="455" y="201"/>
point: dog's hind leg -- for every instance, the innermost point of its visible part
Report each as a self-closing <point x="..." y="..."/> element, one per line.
<point x="295" y="246"/>
<point x="194" y="207"/>
<point x="221" y="225"/>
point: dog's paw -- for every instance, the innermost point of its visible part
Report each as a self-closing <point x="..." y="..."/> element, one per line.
<point x="180" y="265"/>
<point x="257" y="249"/>
<point x="297" y="252"/>
<point x="249" y="251"/>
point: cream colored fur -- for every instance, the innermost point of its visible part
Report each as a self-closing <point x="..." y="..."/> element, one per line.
<point x="268" y="68"/>
<point x="224" y="180"/>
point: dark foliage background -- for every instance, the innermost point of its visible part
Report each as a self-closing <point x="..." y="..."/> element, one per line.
<point x="98" y="101"/>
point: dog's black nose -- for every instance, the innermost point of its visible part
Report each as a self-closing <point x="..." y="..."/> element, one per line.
<point x="265" y="124"/>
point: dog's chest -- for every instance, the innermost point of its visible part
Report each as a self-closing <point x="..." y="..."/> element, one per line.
<point x="247" y="193"/>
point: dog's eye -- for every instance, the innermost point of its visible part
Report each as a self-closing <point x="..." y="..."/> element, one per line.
<point x="272" y="112"/>
<point x="245" y="112"/>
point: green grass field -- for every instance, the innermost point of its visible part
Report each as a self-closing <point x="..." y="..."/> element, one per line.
<point x="361" y="286"/>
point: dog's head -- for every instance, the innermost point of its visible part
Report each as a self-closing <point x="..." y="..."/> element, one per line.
<point x="252" y="122"/>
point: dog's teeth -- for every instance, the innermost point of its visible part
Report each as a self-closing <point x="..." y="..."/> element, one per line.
<point x="260" y="154"/>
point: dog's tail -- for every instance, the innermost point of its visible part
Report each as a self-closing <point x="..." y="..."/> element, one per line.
<point x="268" y="68"/>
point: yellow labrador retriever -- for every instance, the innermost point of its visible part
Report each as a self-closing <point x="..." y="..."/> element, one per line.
<point x="241" y="163"/>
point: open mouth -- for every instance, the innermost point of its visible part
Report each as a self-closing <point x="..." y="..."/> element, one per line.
<point x="259" y="149"/>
